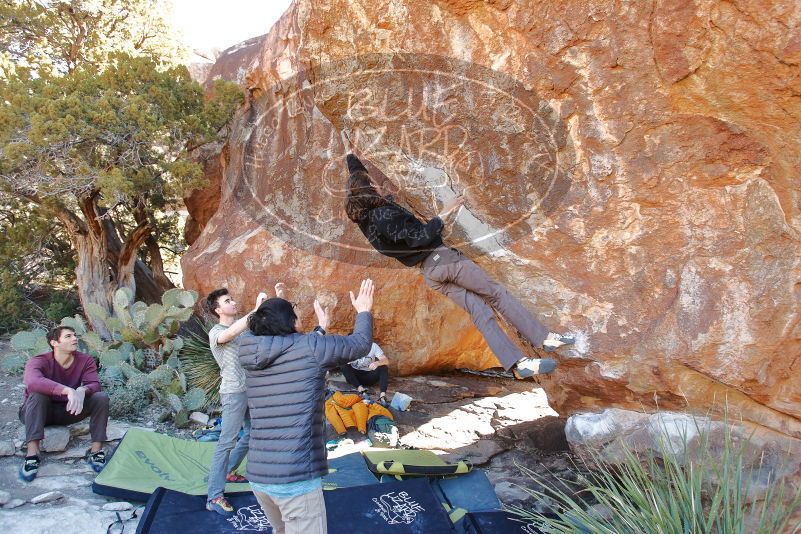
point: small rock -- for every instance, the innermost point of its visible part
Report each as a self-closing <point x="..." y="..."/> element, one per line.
<point x="3" y="401"/>
<point x="481" y="451"/>
<point x="78" y="451"/>
<point x="492" y="391"/>
<point x="79" y="429"/>
<point x="13" y="503"/>
<point x="50" y="496"/>
<point x="116" y="430"/>
<point x="544" y="505"/>
<point x="117" y="506"/>
<point x="509" y="492"/>
<point x="7" y="448"/>
<point x="4" y="497"/>
<point x="199" y="417"/>
<point x="56" y="438"/>
<point x="18" y="443"/>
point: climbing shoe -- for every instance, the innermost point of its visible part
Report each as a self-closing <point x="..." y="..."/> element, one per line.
<point x="29" y="469"/>
<point x="554" y="341"/>
<point x="220" y="505"/>
<point x="96" y="460"/>
<point x="236" y="479"/>
<point x="528" y="367"/>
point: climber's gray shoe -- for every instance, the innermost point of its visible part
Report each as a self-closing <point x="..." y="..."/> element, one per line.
<point x="528" y="367"/>
<point x="554" y="341"/>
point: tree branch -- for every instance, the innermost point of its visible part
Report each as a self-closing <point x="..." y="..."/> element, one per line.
<point x="88" y="204"/>
<point x="73" y="224"/>
<point x="156" y="263"/>
<point x="127" y="257"/>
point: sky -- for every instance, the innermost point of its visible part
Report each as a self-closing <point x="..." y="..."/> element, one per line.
<point x="207" y="24"/>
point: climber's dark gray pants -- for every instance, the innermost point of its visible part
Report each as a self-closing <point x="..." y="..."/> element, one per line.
<point x="456" y="276"/>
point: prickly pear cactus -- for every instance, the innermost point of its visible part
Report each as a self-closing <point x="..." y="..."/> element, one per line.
<point x="141" y="356"/>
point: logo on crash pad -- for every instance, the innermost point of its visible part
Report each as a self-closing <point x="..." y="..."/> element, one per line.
<point x="397" y="508"/>
<point x="153" y="467"/>
<point x="250" y="518"/>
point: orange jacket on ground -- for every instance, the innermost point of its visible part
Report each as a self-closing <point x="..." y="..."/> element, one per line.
<point x="345" y="411"/>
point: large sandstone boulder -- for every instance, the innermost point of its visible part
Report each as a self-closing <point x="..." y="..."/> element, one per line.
<point x="630" y="170"/>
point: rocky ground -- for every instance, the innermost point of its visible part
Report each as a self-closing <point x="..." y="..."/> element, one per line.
<point x="496" y="423"/>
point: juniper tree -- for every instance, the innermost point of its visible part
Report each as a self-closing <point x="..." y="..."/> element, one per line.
<point x="101" y="141"/>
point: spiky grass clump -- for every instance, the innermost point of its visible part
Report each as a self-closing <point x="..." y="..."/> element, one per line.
<point x="199" y="365"/>
<point x="698" y="491"/>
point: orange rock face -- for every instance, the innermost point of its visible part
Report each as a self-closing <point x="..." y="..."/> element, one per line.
<point x="631" y="173"/>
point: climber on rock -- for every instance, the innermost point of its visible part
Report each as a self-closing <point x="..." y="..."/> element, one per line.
<point x="396" y="233"/>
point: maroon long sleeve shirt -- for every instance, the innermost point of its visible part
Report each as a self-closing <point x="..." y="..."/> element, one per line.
<point x="44" y="375"/>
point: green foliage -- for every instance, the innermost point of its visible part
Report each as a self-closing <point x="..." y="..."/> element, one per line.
<point x="194" y="399"/>
<point x="97" y="124"/>
<point x="137" y="328"/>
<point x="36" y="263"/>
<point x="26" y="344"/>
<point x="61" y="304"/>
<point x="102" y="147"/>
<point x="14" y="309"/>
<point x="666" y="493"/>
<point x="123" y="131"/>
<point x="60" y="35"/>
<point x="127" y="399"/>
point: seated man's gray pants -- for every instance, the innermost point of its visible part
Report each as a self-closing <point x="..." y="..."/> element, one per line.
<point x="41" y="410"/>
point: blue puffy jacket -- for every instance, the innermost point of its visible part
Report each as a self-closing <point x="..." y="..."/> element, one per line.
<point x="286" y="395"/>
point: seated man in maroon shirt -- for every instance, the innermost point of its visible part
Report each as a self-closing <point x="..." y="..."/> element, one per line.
<point x="61" y="388"/>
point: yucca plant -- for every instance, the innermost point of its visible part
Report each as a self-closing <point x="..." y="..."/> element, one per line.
<point x="199" y="365"/>
<point x="697" y="491"/>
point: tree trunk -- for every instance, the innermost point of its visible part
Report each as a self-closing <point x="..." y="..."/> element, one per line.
<point x="93" y="278"/>
<point x="127" y="258"/>
<point x="99" y="251"/>
<point x="157" y="264"/>
<point x="147" y="287"/>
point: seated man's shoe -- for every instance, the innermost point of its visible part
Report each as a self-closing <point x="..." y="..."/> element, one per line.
<point x="234" y="478"/>
<point x="29" y="468"/>
<point x="96" y="460"/>
<point x="382" y="400"/>
<point x="528" y="367"/>
<point x="220" y="505"/>
<point x="554" y="341"/>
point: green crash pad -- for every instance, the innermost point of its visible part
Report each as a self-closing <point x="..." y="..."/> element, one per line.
<point x="402" y="462"/>
<point x="144" y="461"/>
